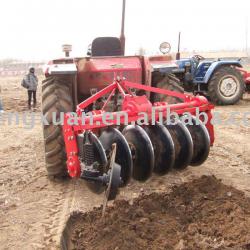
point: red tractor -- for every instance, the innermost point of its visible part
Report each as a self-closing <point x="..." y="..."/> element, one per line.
<point x="105" y="155"/>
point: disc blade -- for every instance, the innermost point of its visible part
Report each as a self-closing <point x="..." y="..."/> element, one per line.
<point x="163" y="148"/>
<point x="142" y="151"/>
<point x="201" y="142"/>
<point x="183" y="145"/>
<point x="123" y="154"/>
<point x="100" y="157"/>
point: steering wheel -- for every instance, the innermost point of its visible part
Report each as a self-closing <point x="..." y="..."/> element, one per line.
<point x="198" y="57"/>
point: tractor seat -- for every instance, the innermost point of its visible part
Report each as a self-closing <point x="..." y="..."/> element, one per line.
<point x="106" y="46"/>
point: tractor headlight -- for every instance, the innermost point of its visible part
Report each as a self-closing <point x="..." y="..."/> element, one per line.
<point x="165" y="48"/>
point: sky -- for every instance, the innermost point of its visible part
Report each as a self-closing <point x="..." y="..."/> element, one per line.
<point x="36" y="29"/>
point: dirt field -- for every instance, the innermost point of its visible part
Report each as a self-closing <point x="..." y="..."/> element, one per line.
<point x="34" y="210"/>
<point x="202" y="214"/>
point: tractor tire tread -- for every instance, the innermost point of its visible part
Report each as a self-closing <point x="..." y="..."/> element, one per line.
<point x="169" y="82"/>
<point x="213" y="86"/>
<point x="56" y="97"/>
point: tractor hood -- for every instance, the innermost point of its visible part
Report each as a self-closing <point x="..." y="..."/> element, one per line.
<point x="98" y="72"/>
<point x="162" y="63"/>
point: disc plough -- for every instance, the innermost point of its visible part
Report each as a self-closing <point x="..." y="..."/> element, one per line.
<point x="137" y="138"/>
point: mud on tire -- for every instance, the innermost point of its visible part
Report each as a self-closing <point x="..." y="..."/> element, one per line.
<point x="169" y="82"/>
<point x="56" y="99"/>
<point x="215" y="86"/>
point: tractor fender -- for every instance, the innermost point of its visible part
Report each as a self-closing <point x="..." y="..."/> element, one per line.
<point x="60" y="69"/>
<point x="215" y="65"/>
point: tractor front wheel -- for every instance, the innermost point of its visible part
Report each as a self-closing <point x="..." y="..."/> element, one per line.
<point x="226" y="86"/>
<point x="56" y="100"/>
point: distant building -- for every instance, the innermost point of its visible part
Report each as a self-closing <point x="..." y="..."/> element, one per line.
<point x="19" y="68"/>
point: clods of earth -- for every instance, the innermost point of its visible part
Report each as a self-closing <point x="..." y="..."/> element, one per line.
<point x="202" y="214"/>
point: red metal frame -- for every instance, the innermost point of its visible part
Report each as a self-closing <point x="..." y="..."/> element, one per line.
<point x="133" y="105"/>
<point x="246" y="75"/>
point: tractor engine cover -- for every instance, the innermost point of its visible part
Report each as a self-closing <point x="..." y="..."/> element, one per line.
<point x="98" y="72"/>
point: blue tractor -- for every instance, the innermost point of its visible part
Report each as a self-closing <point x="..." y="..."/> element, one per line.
<point x="219" y="79"/>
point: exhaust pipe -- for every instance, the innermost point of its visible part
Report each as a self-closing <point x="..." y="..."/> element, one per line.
<point x="122" y="37"/>
<point x="178" y="55"/>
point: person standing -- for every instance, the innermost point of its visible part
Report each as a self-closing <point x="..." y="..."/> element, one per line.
<point x="30" y="82"/>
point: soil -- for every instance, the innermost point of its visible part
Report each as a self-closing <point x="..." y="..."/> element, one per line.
<point x="35" y="209"/>
<point x="201" y="214"/>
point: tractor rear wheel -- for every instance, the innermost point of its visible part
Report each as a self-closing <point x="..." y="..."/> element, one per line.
<point x="169" y="82"/>
<point x="226" y="86"/>
<point x="56" y="100"/>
